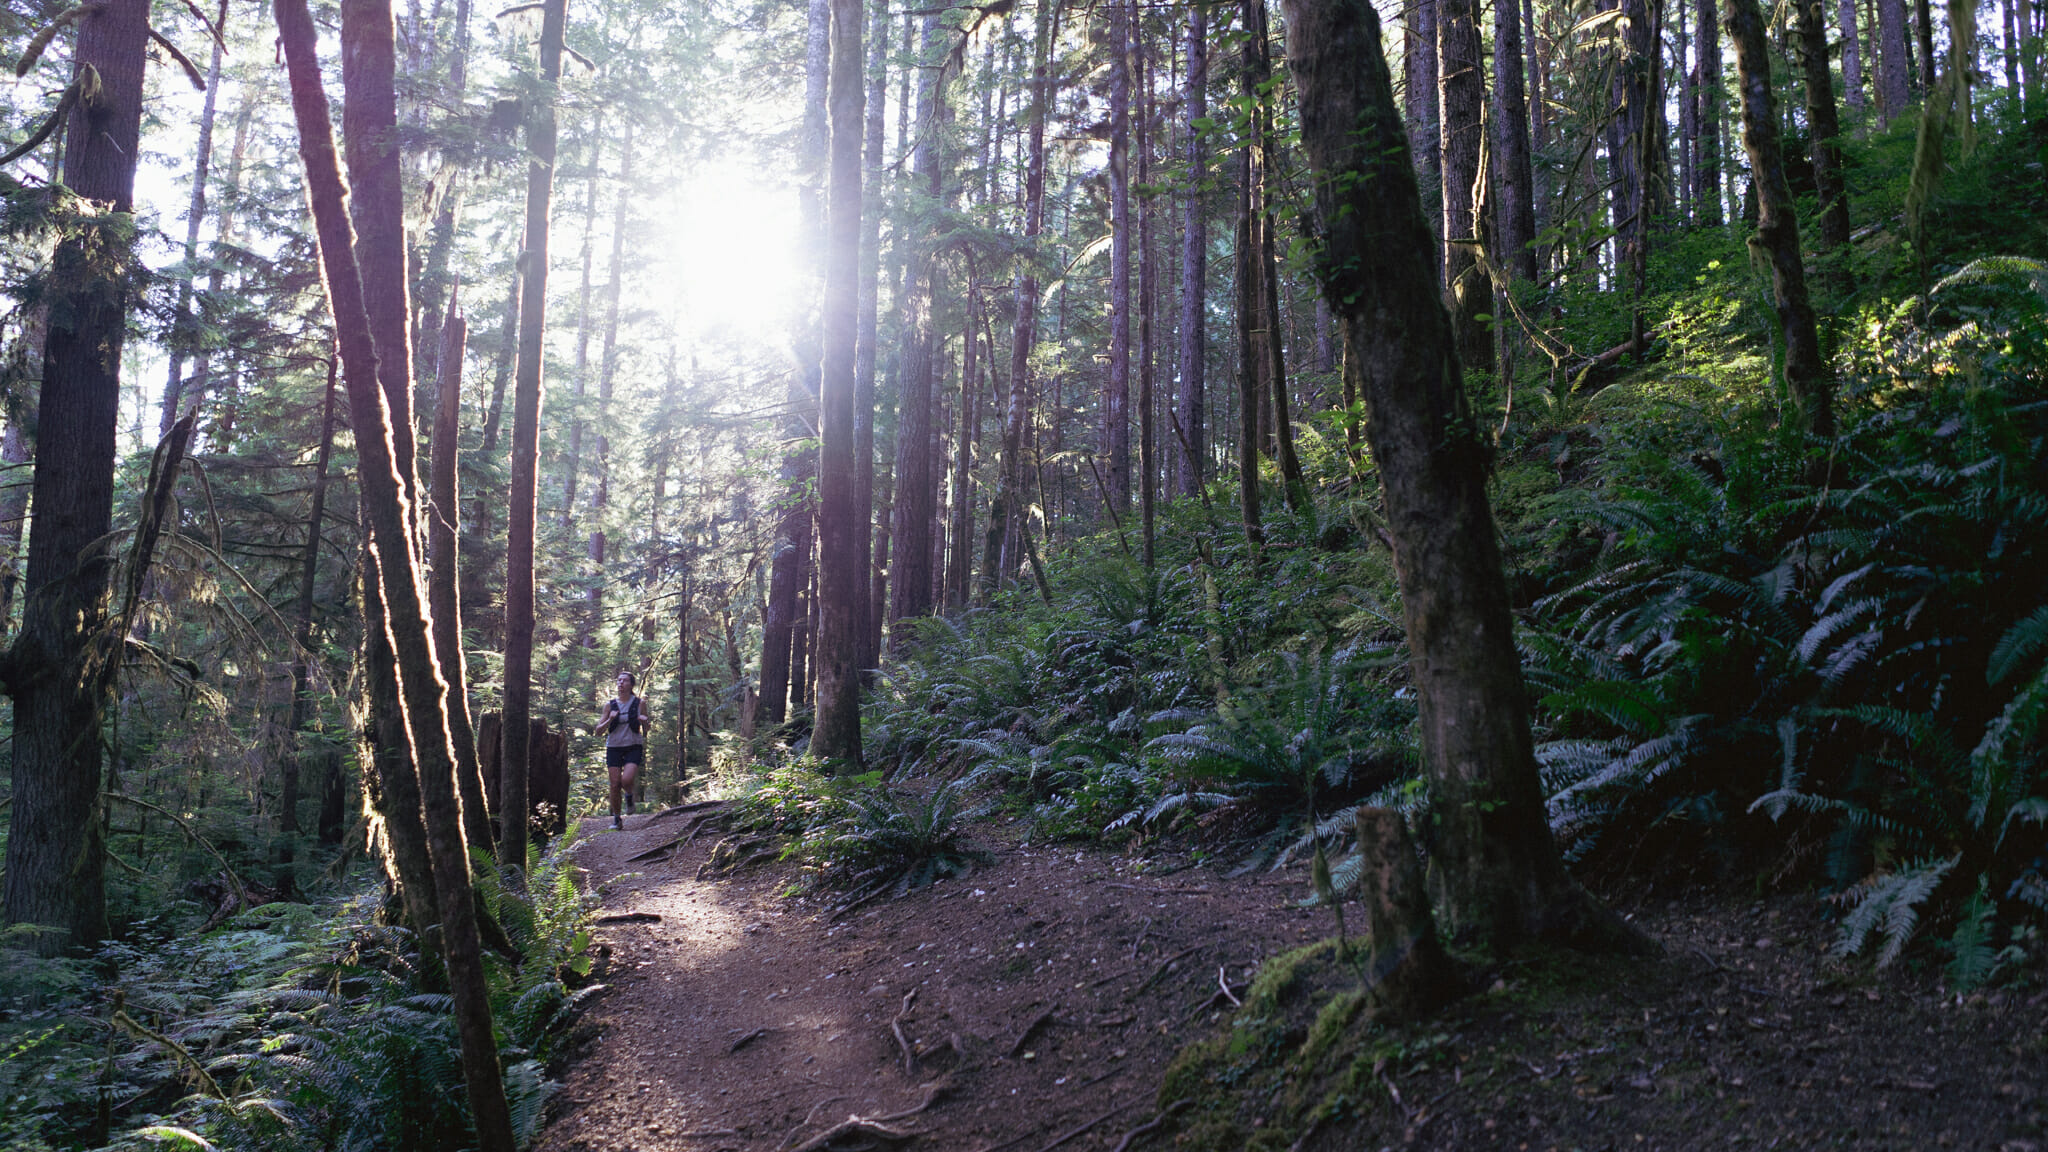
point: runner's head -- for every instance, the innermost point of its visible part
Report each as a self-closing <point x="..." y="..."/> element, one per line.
<point x="626" y="682"/>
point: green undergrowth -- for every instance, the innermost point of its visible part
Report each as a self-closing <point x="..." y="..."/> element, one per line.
<point x="1306" y="1054"/>
<point x="290" y="1027"/>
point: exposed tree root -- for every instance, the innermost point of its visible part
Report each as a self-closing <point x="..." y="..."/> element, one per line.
<point x="902" y="1041"/>
<point x="1083" y="1129"/>
<point x="854" y="1126"/>
<point x="1150" y="1126"/>
<point x="1160" y="971"/>
<point x="1024" y="1037"/>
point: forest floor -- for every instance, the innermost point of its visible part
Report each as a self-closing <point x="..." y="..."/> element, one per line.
<point x="1044" y="997"/>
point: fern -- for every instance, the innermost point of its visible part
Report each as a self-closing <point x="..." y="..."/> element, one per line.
<point x="1974" y="960"/>
<point x="1889" y="905"/>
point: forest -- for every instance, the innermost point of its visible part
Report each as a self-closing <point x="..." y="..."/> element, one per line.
<point x="1481" y="570"/>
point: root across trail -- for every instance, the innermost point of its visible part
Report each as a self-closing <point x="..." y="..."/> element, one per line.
<point x="1040" y="1003"/>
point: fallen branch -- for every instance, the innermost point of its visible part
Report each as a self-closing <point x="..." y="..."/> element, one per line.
<point x="749" y="1038"/>
<point x="1150" y="1126"/>
<point x="1169" y="962"/>
<point x="1084" y="1128"/>
<point x="1186" y="890"/>
<point x="1024" y="1037"/>
<point x="630" y="918"/>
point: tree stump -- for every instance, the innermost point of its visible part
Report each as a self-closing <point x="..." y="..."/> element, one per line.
<point x="547" y="773"/>
<point x="1408" y="972"/>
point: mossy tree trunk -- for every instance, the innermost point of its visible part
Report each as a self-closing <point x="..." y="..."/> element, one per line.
<point x="1498" y="870"/>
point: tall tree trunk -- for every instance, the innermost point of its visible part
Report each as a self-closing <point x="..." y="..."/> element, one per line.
<point x="1266" y="192"/>
<point x="1852" y="56"/>
<point x="1502" y="880"/>
<point x="1638" y="99"/>
<point x="607" y="374"/>
<point x="1116" y="393"/>
<point x="866" y="652"/>
<point x="56" y="863"/>
<point x="960" y="557"/>
<point x="1824" y="126"/>
<point x="1190" y="446"/>
<point x="302" y="634"/>
<point x="16" y="449"/>
<point x="402" y="616"/>
<point x="1688" y="117"/>
<point x="792" y="554"/>
<point x="792" y="549"/>
<point x="369" y="130"/>
<point x="572" y="461"/>
<point x="842" y="520"/>
<point x="1894" y="71"/>
<point x="184" y="330"/>
<point x="1148" y="275"/>
<point x="1707" y="165"/>
<point x="1923" y="31"/>
<point x="911" y="524"/>
<point x="1515" y="228"/>
<point x="1248" y="361"/>
<point x="1008" y="512"/>
<point x="1461" y="83"/>
<point x="1425" y="104"/>
<point x="523" y="496"/>
<point x="1777" y="229"/>
<point x="444" y="561"/>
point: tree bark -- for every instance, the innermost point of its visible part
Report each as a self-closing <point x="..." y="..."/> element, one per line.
<point x="1248" y="366"/>
<point x="369" y="129"/>
<point x="444" y="561"/>
<point x="1190" y="445"/>
<point x="402" y="616"/>
<point x="1008" y="512"/>
<point x="960" y="530"/>
<point x="1923" y="31"/>
<point x="1707" y="165"/>
<point x="842" y="521"/>
<point x="522" y="497"/>
<point x="915" y="484"/>
<point x="1148" y="276"/>
<point x="1515" y="227"/>
<point x="1496" y="865"/>
<point x="1462" y="86"/>
<point x="1265" y="191"/>
<point x="607" y="374"/>
<point x="1894" y="86"/>
<point x="1419" y="63"/>
<point x="866" y="654"/>
<point x="184" y="327"/>
<point x="1824" y="126"/>
<point x="1638" y="97"/>
<point x="1777" y="229"/>
<point x="1852" y="57"/>
<point x="302" y="634"/>
<point x="572" y="461"/>
<point x="1116" y="393"/>
<point x="58" y="668"/>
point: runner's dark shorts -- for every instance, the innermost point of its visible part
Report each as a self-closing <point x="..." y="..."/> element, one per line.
<point x="624" y="754"/>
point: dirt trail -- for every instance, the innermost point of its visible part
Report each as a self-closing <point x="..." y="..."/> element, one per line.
<point x="1053" y="987"/>
<point x="1049" y="966"/>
